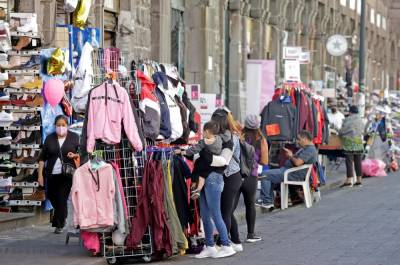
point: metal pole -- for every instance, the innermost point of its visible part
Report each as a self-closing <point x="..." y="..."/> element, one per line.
<point x="227" y="53"/>
<point x="362" y="48"/>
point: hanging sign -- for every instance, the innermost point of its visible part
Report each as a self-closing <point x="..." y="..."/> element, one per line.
<point x="291" y="53"/>
<point x="305" y="58"/>
<point x="292" y="70"/>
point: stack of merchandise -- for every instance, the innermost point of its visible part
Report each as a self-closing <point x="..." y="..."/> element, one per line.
<point x="21" y="101"/>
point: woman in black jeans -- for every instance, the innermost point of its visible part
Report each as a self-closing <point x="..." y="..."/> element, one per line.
<point x="230" y="134"/>
<point x="253" y="136"/>
<point x="61" y="144"/>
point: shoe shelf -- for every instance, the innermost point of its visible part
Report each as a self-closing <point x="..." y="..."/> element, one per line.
<point x="24" y="203"/>
<point x="22" y="128"/>
<point x="24" y="53"/>
<point x="21" y="34"/>
<point x="22" y="15"/>
<point x="23" y="109"/>
<point x="11" y="90"/>
<point x="23" y="71"/>
<point x="25" y="146"/>
<point x="25" y="184"/>
<point x="20" y="165"/>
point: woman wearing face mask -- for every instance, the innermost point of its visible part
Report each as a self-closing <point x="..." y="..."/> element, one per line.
<point x="60" y="145"/>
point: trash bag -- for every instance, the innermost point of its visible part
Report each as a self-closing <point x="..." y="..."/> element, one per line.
<point x="373" y="168"/>
<point x="81" y="13"/>
<point x="56" y="63"/>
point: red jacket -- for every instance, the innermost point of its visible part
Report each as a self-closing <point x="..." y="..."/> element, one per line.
<point x="150" y="211"/>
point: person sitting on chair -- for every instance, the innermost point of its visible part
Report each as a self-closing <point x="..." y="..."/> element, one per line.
<point x="307" y="154"/>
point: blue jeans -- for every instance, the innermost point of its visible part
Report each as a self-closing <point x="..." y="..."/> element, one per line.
<point x="210" y="209"/>
<point x="272" y="176"/>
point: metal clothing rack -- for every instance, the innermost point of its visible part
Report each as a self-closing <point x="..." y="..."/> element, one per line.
<point x="130" y="163"/>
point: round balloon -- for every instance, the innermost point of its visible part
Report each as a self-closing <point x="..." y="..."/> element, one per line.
<point x="54" y="91"/>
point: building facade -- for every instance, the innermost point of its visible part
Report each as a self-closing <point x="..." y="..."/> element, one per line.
<point x="210" y="40"/>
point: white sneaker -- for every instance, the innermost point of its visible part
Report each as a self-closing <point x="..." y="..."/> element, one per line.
<point x="30" y="26"/>
<point x="4" y="76"/>
<point x="207" y="252"/>
<point x="237" y="247"/>
<point x="226" y="251"/>
<point x="6" y="117"/>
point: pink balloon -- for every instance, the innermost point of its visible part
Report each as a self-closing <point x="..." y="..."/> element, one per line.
<point x="54" y="91"/>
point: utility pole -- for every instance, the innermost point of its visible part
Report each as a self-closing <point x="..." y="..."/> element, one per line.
<point x="361" y="101"/>
<point x="362" y="48"/>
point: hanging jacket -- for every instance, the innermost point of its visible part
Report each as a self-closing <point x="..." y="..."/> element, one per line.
<point x="109" y="107"/>
<point x="174" y="111"/>
<point x="278" y="120"/>
<point x="149" y="106"/>
<point x="165" y="123"/>
<point x="92" y="195"/>
<point x="181" y="173"/>
<point x="150" y="211"/>
<point x="306" y="121"/>
<point x="184" y="119"/>
<point x="193" y="126"/>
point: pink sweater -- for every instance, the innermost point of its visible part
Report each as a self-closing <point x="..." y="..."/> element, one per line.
<point x="109" y="107"/>
<point x="92" y="198"/>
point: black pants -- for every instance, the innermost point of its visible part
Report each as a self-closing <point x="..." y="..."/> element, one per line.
<point x="231" y="189"/>
<point x="58" y="191"/>
<point x="248" y="189"/>
<point x="353" y="161"/>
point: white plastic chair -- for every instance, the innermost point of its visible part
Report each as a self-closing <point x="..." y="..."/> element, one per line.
<point x="306" y="186"/>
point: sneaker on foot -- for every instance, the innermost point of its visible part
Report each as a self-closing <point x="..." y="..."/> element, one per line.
<point x="58" y="230"/>
<point x="253" y="238"/>
<point x="207" y="252"/>
<point x="225" y="251"/>
<point x="265" y="205"/>
<point x="237" y="247"/>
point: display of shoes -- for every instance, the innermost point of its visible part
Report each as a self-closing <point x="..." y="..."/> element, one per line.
<point x="35" y="83"/>
<point x="5" y="148"/>
<point x="30" y="25"/>
<point x="31" y="159"/>
<point x="21" y="175"/>
<point x="4" y="96"/>
<point x="28" y="121"/>
<point x="6" y="118"/>
<point x="19" y="83"/>
<point x="22" y="43"/>
<point x="34" y="138"/>
<point x="38" y="101"/>
<point x="6" y="182"/>
<point x="38" y="195"/>
<point x="16" y="194"/>
<point x="33" y="63"/>
<point x="3" y="76"/>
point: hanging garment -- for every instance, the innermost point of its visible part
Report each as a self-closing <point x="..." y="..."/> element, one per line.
<point x="306" y="121"/>
<point x="150" y="211"/>
<point x="184" y="119"/>
<point x="181" y="173"/>
<point x="165" y="123"/>
<point x="83" y="80"/>
<point x="193" y="126"/>
<point x="93" y="194"/>
<point x="278" y="120"/>
<point x="149" y="106"/>
<point x="178" y="238"/>
<point x="120" y="208"/>
<point x="91" y="241"/>
<point x="109" y="107"/>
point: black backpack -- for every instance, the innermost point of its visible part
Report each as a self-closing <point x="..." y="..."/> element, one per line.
<point x="246" y="162"/>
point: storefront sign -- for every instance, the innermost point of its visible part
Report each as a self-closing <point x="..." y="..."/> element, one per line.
<point x="305" y="58"/>
<point x="291" y="53"/>
<point x="193" y="92"/>
<point x="292" y="70"/>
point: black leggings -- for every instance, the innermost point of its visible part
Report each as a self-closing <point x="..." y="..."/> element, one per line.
<point x="58" y="191"/>
<point x="248" y="189"/>
<point x="231" y="189"/>
<point x="353" y="161"/>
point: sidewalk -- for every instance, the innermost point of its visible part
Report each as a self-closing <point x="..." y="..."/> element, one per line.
<point x="39" y="245"/>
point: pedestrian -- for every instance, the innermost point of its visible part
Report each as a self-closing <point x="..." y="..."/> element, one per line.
<point x="353" y="147"/>
<point x="59" y="148"/>
<point x="307" y="154"/>
<point x="232" y="180"/>
<point x="336" y="118"/>
<point x="253" y="136"/>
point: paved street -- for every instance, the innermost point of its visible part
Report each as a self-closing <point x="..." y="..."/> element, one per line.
<point x="349" y="226"/>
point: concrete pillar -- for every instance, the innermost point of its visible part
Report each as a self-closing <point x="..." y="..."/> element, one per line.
<point x="320" y="38"/>
<point x="308" y="25"/>
<point x="161" y="30"/>
<point x="258" y="13"/>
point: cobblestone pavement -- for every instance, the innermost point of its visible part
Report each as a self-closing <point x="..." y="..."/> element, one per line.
<point x="348" y="226"/>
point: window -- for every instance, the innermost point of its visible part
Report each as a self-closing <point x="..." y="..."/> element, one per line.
<point x="359" y="7"/>
<point x="177" y="40"/>
<point x="384" y="23"/>
<point x="353" y="4"/>
<point x="343" y="2"/>
<point x="378" y="20"/>
<point x="372" y="16"/>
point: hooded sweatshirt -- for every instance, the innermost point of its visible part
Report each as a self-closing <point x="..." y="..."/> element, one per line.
<point x="165" y="123"/>
<point x="109" y="108"/>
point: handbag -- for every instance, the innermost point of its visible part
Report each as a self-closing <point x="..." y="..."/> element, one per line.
<point x="67" y="169"/>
